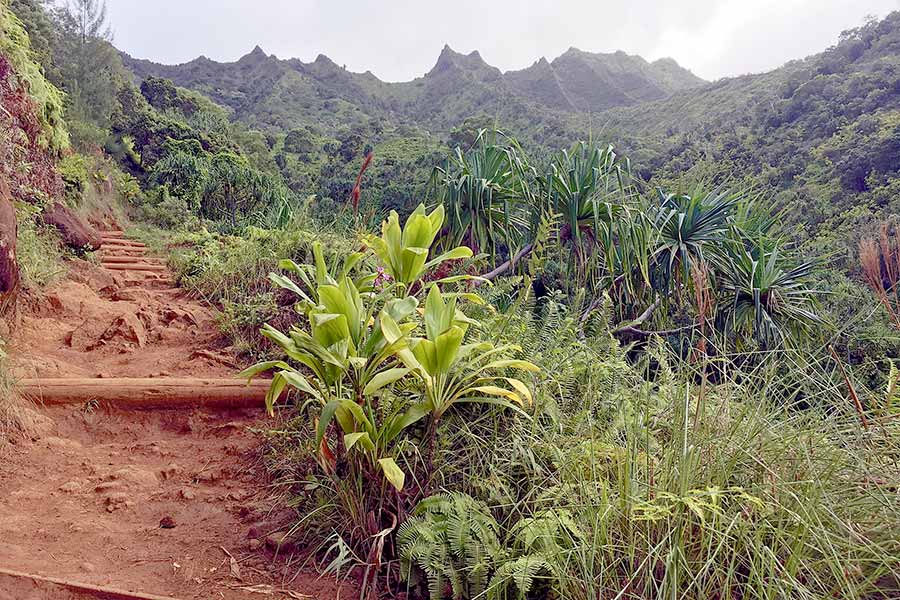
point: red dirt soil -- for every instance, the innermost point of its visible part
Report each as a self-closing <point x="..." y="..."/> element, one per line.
<point x="84" y="501"/>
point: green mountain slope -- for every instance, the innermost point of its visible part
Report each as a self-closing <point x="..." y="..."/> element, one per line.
<point x="819" y="135"/>
<point x="264" y="90"/>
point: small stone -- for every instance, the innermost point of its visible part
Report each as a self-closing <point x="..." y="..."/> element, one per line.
<point x="187" y="494"/>
<point x="255" y="545"/>
<point x="127" y="327"/>
<point x="107" y="486"/>
<point x="279" y="542"/>
<point x="87" y="567"/>
<point x="167" y="522"/>
<point x="117" y="501"/>
<point x="70" y="487"/>
<point x="171" y="471"/>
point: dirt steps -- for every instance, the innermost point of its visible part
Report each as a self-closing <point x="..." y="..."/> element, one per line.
<point x="148" y="426"/>
<point x="150" y="392"/>
<point x="121" y="254"/>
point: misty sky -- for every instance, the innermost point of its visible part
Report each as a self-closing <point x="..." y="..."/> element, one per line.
<point x="401" y="39"/>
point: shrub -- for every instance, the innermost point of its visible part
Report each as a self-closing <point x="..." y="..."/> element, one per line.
<point x="357" y="361"/>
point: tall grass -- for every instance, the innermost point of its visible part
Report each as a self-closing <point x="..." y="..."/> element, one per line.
<point x="231" y="271"/>
<point x="38" y="249"/>
<point x="683" y="487"/>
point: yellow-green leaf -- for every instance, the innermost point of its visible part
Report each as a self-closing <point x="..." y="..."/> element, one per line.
<point x="494" y="390"/>
<point x="362" y="438"/>
<point x="384" y="378"/>
<point x="392" y="473"/>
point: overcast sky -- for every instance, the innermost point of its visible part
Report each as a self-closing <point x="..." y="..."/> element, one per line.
<point x="401" y="39"/>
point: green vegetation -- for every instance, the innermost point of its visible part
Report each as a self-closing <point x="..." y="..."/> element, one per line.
<point x="504" y="365"/>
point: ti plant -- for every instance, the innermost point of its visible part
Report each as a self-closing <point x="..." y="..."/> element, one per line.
<point x="356" y="342"/>
<point x="454" y="373"/>
<point x="347" y="359"/>
<point x="404" y="251"/>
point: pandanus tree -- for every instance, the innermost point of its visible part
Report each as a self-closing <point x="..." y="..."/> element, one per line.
<point x="764" y="294"/>
<point x="586" y="185"/>
<point x="485" y="194"/>
<point x="601" y="226"/>
<point x="691" y="227"/>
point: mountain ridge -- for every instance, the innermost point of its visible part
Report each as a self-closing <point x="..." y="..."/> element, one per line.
<point x="574" y="82"/>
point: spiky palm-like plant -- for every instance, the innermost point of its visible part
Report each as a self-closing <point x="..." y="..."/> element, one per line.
<point x="690" y="226"/>
<point x="765" y="296"/>
<point x="485" y="194"/>
<point x="586" y="185"/>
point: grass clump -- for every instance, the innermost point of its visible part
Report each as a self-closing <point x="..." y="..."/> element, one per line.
<point x="38" y="249"/>
<point x="230" y="270"/>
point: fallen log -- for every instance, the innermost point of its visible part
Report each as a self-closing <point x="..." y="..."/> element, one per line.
<point x="108" y="258"/>
<point x="140" y="393"/>
<point x="14" y="584"/>
<point x="135" y="266"/>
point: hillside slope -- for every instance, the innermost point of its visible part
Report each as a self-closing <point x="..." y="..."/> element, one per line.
<point x="264" y="90"/>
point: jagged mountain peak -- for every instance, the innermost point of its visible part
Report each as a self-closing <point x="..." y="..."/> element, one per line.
<point x="254" y="57"/>
<point x="574" y="81"/>
<point x="450" y="59"/>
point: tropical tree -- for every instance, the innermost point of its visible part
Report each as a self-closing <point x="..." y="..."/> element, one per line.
<point x="486" y="195"/>
<point x="234" y="190"/>
<point x="89" y="68"/>
<point x="764" y="294"/>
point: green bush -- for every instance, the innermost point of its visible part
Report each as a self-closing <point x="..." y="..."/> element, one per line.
<point x="75" y="170"/>
<point x="38" y="249"/>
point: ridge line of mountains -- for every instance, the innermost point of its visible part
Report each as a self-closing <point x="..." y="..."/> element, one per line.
<point x="574" y="82"/>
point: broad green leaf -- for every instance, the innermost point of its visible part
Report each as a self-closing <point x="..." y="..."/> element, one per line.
<point x="274" y="392"/>
<point x="288" y="284"/>
<point x="261" y="367"/>
<point x="401" y="422"/>
<point x="300" y="382"/>
<point x="455" y="254"/>
<point x="446" y="348"/>
<point x="384" y="378"/>
<point x="325" y="418"/>
<point x="425" y="354"/>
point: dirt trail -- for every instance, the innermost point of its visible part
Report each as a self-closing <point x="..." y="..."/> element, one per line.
<point x="94" y="498"/>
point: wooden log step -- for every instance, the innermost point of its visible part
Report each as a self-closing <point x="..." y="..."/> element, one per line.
<point x="131" y="259"/>
<point x="106" y="243"/>
<point x="105" y="255"/>
<point x="154" y="392"/>
<point x="134" y="266"/>
<point x="120" y="240"/>
<point x="14" y="584"/>
<point x="113" y="233"/>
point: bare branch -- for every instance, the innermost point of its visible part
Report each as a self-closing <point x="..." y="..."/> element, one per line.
<point x="503" y="268"/>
